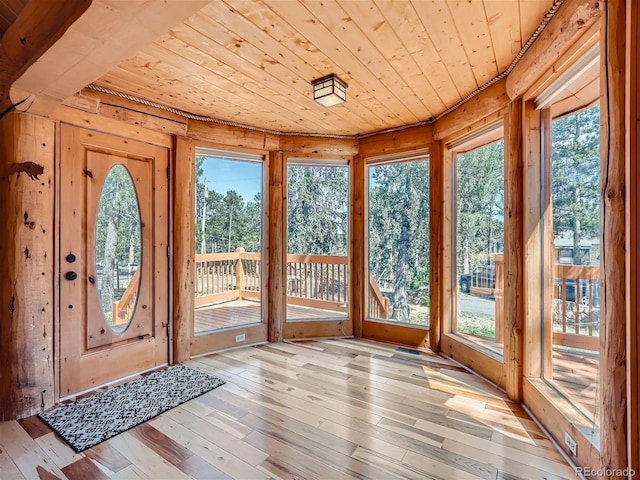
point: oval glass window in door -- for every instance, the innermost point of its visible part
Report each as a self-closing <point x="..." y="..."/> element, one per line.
<point x="118" y="248"/>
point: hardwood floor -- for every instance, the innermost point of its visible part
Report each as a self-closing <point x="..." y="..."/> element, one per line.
<point x="325" y="409"/>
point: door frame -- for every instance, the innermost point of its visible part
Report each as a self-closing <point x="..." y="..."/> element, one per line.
<point x="127" y="133"/>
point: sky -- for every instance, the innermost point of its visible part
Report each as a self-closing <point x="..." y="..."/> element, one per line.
<point x="224" y="175"/>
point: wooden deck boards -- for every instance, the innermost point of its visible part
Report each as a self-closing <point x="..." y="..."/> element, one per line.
<point x="236" y="313"/>
<point x="338" y="409"/>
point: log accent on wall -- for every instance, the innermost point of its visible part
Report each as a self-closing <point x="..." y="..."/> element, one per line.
<point x="436" y="244"/>
<point x="38" y="26"/>
<point x="632" y="158"/>
<point x="572" y="19"/>
<point x="26" y="263"/>
<point x="612" y="151"/>
<point x="276" y="248"/>
<point x="358" y="239"/>
<point x="183" y="247"/>
<point x="514" y="251"/>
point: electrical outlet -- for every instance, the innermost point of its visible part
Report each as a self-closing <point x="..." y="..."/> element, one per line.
<point x="240" y="338"/>
<point x="571" y="444"/>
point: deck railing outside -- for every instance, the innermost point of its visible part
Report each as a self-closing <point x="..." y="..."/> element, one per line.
<point x="123" y="308"/>
<point x="576" y="306"/>
<point x="321" y="281"/>
<point x="318" y="281"/>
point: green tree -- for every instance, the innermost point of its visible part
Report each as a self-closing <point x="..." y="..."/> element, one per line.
<point x="317" y="210"/>
<point x="399" y="229"/>
<point x="118" y="235"/>
<point x="479" y="205"/>
<point x="576" y="176"/>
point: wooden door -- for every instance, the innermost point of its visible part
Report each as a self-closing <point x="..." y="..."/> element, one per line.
<point x="114" y="265"/>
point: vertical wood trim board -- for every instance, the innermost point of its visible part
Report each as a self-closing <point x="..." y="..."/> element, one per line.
<point x="532" y="219"/>
<point x="436" y="244"/>
<point x="183" y="247"/>
<point x="547" y="243"/>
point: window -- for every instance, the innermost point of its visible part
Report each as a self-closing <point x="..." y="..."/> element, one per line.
<point x="572" y="296"/>
<point x="317" y="273"/>
<point x="398" y="248"/>
<point x="479" y="245"/>
<point x="228" y="240"/>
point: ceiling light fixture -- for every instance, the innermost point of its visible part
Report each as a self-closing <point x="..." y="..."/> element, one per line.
<point x="329" y="90"/>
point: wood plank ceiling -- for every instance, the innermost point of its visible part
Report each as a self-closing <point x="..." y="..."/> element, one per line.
<point x="252" y="61"/>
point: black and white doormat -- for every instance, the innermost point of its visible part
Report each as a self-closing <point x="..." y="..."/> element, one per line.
<point x="94" y="419"/>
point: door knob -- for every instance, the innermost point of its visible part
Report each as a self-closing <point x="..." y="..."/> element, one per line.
<point x="71" y="275"/>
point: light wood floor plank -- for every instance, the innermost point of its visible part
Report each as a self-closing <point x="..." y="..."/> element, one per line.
<point x="57" y="450"/>
<point x="315" y="409"/>
<point x="26" y="454"/>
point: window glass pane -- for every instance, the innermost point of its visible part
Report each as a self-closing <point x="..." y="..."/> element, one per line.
<point x="398" y="215"/>
<point x="228" y="239"/>
<point x="317" y="239"/>
<point x="479" y="241"/>
<point x="572" y="320"/>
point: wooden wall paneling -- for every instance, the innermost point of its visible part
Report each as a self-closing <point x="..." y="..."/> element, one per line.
<point x="574" y="52"/>
<point x="183" y="247"/>
<point x="405" y="140"/>
<point x="324" y="146"/>
<point x="317" y="329"/>
<point x="204" y="344"/>
<point x="37" y="27"/>
<point x="400" y="334"/>
<point x="358" y="243"/>
<point x="572" y="19"/>
<point x="124" y="103"/>
<point x="436" y="244"/>
<point x="459" y="121"/>
<point x="96" y="122"/>
<point x="532" y="248"/>
<point x="559" y="415"/>
<point x="632" y="124"/>
<point x="467" y="353"/>
<point x="27" y="265"/>
<point x="277" y="246"/>
<point x="612" y="151"/>
<point x="548" y="259"/>
<point x="230" y="135"/>
<point x="514" y="250"/>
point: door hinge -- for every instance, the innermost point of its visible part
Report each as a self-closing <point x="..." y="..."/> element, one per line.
<point x="168" y="251"/>
<point x="168" y="173"/>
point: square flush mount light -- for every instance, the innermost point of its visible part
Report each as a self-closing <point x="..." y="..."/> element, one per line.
<point x="329" y="90"/>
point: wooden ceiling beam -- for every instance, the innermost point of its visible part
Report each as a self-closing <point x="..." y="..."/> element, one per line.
<point x="38" y="26"/>
<point x="572" y="19"/>
<point x="107" y="33"/>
